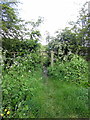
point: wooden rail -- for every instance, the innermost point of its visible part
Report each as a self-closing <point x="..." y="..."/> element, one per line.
<point x="42" y="54"/>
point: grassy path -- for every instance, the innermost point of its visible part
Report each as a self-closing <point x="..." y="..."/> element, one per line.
<point x="62" y="100"/>
<point x="49" y="97"/>
<point x="40" y="96"/>
<point x="51" y="103"/>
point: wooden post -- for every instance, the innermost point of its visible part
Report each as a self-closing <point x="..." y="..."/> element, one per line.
<point x="52" y="56"/>
<point x="41" y="58"/>
<point x="14" y="55"/>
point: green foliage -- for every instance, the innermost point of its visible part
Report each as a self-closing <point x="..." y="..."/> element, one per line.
<point x="20" y="48"/>
<point x="44" y="55"/>
<point x="16" y="36"/>
<point x="27" y="60"/>
<point x="20" y="94"/>
<point x="27" y="94"/>
<point x="81" y="29"/>
<point x="20" y="85"/>
<point x="63" y="45"/>
<point x="75" y="71"/>
<point x="10" y="22"/>
<point x="74" y="39"/>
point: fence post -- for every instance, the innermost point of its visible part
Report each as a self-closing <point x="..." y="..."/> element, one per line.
<point x="52" y="56"/>
<point x="41" y="53"/>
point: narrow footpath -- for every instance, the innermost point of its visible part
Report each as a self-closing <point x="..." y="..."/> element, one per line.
<point x="49" y="95"/>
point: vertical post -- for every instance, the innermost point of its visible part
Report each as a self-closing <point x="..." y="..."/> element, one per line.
<point x="42" y="58"/>
<point x="14" y="55"/>
<point x="52" y="56"/>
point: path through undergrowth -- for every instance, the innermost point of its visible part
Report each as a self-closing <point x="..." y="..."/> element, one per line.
<point x="62" y="100"/>
<point x="37" y="95"/>
<point x="49" y="95"/>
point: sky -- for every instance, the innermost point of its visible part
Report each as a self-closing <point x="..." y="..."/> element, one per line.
<point x="56" y="13"/>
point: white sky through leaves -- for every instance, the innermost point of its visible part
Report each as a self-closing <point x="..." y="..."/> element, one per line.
<point x="56" y="13"/>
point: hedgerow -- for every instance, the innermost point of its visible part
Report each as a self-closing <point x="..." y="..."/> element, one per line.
<point x="75" y="70"/>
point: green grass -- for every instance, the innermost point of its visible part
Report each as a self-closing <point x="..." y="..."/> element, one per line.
<point x="64" y="100"/>
<point x="31" y="95"/>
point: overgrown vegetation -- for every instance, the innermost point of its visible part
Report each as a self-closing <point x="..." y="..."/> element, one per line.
<point x="75" y="70"/>
<point x="20" y="94"/>
<point x="29" y="92"/>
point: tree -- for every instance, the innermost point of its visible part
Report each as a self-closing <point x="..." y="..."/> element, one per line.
<point x="10" y="23"/>
<point x="14" y="31"/>
<point x="74" y="39"/>
<point x="17" y="38"/>
<point x="63" y="44"/>
<point x="81" y="29"/>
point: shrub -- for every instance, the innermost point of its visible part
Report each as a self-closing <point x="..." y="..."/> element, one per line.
<point x="21" y="94"/>
<point x="75" y="70"/>
<point x="20" y="84"/>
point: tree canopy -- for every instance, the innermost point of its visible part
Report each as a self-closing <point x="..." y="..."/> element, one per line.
<point x="72" y="39"/>
<point x="18" y="36"/>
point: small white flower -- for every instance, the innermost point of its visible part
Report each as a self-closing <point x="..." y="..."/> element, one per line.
<point x="11" y="66"/>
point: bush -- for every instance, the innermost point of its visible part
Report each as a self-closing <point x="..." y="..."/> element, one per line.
<point x="20" y="84"/>
<point x="29" y="62"/>
<point x="22" y="93"/>
<point x="75" y="70"/>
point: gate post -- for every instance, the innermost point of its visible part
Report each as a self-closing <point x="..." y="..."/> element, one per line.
<point x="52" y="56"/>
<point x="42" y="58"/>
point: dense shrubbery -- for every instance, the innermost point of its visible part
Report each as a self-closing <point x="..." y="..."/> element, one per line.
<point x="20" y="85"/>
<point x="25" y="95"/>
<point x="20" y="94"/>
<point x="27" y="51"/>
<point x="75" y="70"/>
<point x="28" y="62"/>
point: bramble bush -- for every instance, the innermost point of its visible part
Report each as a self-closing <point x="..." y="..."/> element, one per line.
<point x="75" y="70"/>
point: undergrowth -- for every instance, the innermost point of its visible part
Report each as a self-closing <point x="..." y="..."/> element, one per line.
<point x="28" y="94"/>
<point x="75" y="70"/>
